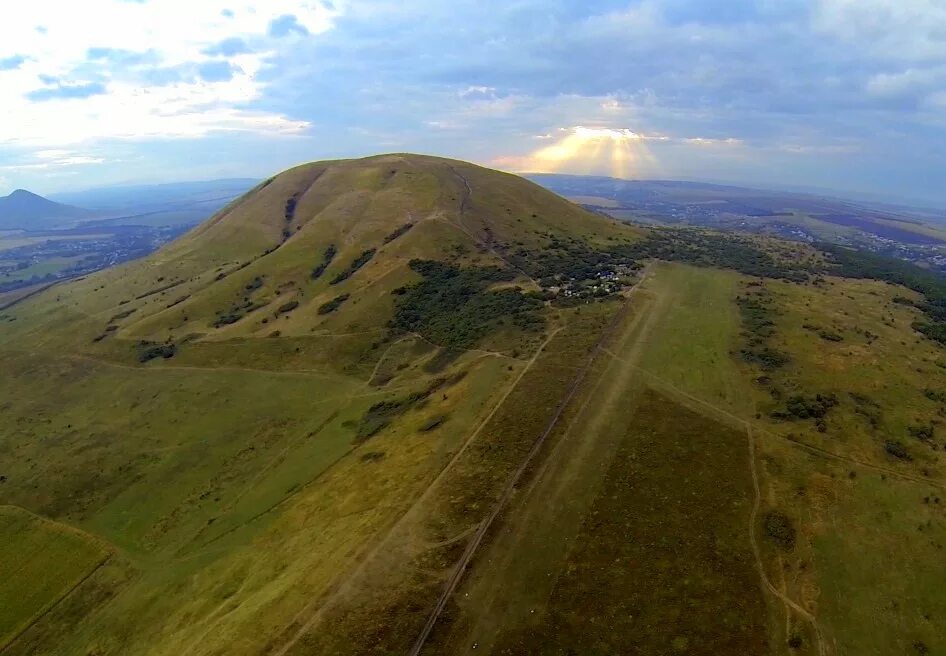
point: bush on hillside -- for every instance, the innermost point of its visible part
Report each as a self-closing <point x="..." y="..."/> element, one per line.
<point x="398" y="232"/>
<point x="778" y="527"/>
<point x="356" y="264"/>
<point x="332" y="305"/>
<point x="148" y="351"/>
<point x="327" y="258"/>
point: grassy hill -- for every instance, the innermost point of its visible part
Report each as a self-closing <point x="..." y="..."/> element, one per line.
<point x="24" y="209"/>
<point x="407" y="405"/>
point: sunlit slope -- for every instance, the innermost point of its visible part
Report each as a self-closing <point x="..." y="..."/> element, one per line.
<point x="259" y="254"/>
<point x="237" y="422"/>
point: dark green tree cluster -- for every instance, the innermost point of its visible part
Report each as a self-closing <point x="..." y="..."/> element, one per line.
<point x="897" y="450"/>
<point x="562" y="260"/>
<point x="148" y="351"/>
<point x="327" y="258"/>
<point x="851" y="263"/>
<point x="243" y="307"/>
<point x="290" y="208"/>
<point x="333" y="305"/>
<point x="805" y="406"/>
<point x="702" y="248"/>
<point x="453" y="306"/>
<point x="779" y="528"/>
<point x="398" y="232"/>
<point x="382" y="413"/>
<point x="356" y="264"/>
<point x="288" y="306"/>
<point x="758" y="329"/>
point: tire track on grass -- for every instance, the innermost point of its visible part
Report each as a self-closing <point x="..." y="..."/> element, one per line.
<point x="511" y="484"/>
<point x="317" y="608"/>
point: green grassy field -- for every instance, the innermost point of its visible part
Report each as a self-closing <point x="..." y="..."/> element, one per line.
<point x="580" y="583"/>
<point x="268" y="476"/>
<point x="51" y="265"/>
<point x="40" y="563"/>
<point x="244" y="478"/>
<point x="661" y="563"/>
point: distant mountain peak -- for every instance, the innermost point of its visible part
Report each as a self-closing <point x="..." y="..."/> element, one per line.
<point x="23" y="193"/>
<point x="24" y="209"/>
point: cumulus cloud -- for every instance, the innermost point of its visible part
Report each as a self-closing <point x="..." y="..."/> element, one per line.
<point x="44" y="160"/>
<point x="228" y="47"/>
<point x="733" y="88"/>
<point x="175" y="68"/>
<point x="67" y="91"/>
<point x="285" y="26"/>
<point x="12" y="63"/>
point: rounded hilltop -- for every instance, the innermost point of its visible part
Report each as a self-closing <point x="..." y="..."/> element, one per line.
<point x="321" y="247"/>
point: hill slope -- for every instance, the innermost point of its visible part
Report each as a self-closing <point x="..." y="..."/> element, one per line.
<point x="407" y="405"/>
<point x="25" y="210"/>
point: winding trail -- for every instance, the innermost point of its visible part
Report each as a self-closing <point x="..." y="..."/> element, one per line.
<point x="788" y="602"/>
<point x="757" y="551"/>
<point x="467" y="196"/>
<point x="316" y="609"/>
<point x="815" y="450"/>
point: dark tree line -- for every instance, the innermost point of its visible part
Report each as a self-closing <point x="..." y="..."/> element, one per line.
<point x="453" y="306"/>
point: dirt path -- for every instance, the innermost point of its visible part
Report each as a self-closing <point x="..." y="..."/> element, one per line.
<point x="802" y="445"/>
<point x="757" y="551"/>
<point x="464" y="206"/>
<point x="560" y="475"/>
<point x="510" y="488"/>
<point x="315" y="610"/>
<point x="31" y="294"/>
<point x="108" y="551"/>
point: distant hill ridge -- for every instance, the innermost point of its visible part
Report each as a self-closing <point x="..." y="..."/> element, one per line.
<point x="23" y="209"/>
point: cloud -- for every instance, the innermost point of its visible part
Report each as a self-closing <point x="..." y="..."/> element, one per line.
<point x="216" y="71"/>
<point x="228" y="48"/>
<point x="898" y="30"/>
<point x="745" y="89"/>
<point x="12" y="63"/>
<point x="285" y="26"/>
<point x="150" y="70"/>
<point x="67" y="91"/>
<point x="52" y="159"/>
<point x="706" y="141"/>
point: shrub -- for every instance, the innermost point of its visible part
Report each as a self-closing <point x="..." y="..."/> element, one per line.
<point x="934" y="395"/>
<point x="290" y="208"/>
<point x="148" y="351"/>
<point x="356" y="264"/>
<point x="778" y="527"/>
<point x="398" y="232"/>
<point x="766" y="357"/>
<point x="327" y="258"/>
<point x="922" y="433"/>
<point x="332" y="305"/>
<point x="897" y="450"/>
<point x="382" y="413"/>
<point x="800" y="406"/>
<point x="123" y="315"/>
<point x="287" y="307"/>
<point x="433" y="423"/>
<point x="830" y="335"/>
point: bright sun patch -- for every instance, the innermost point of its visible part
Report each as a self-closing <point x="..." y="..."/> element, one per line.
<point x="618" y="152"/>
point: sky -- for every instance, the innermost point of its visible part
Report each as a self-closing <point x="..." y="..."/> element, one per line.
<point x="848" y="95"/>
